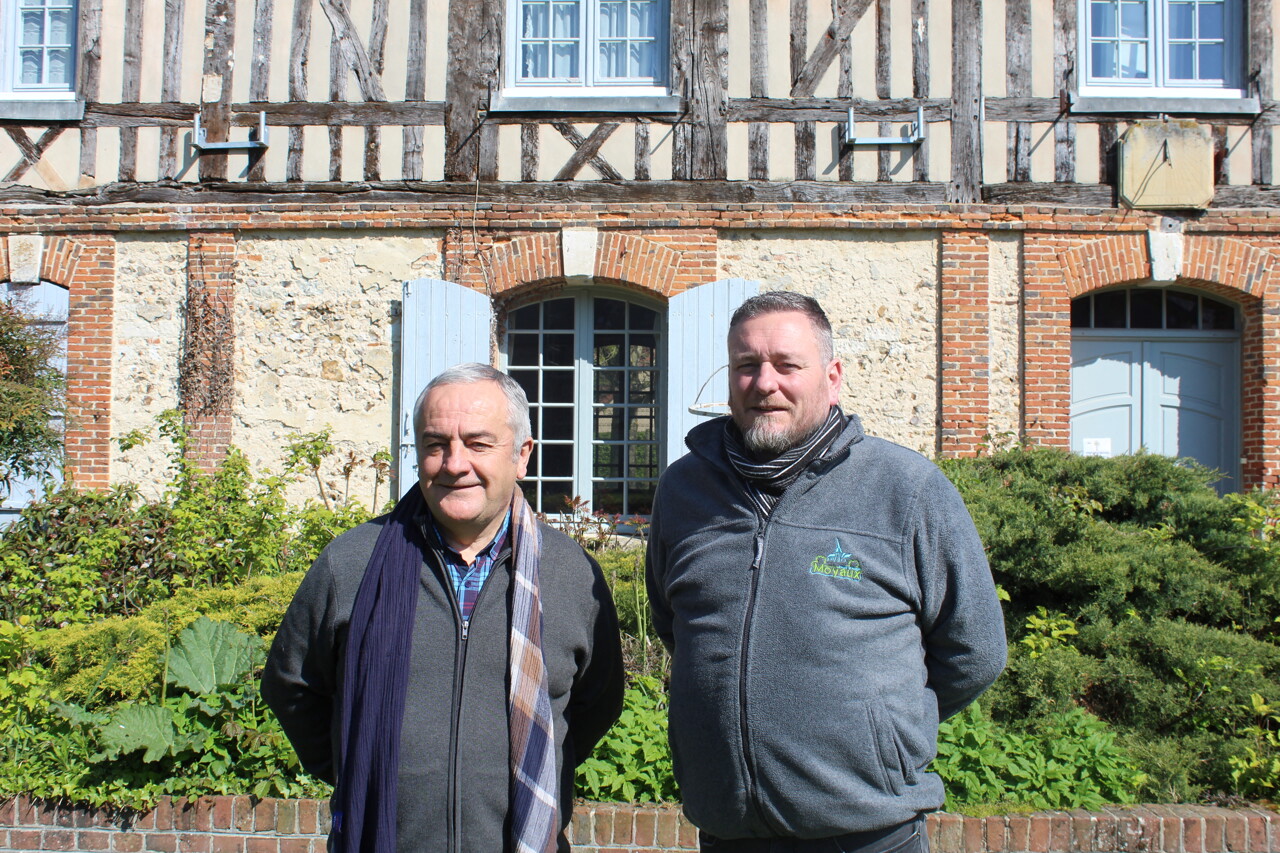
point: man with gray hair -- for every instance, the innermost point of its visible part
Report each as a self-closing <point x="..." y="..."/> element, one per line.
<point x="449" y="664"/>
<point x="826" y="602"/>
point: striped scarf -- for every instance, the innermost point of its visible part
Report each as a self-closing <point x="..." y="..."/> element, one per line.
<point x="766" y="481"/>
<point x="535" y="790"/>
<point x="375" y="684"/>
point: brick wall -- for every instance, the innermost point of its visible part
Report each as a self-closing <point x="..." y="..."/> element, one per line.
<point x="965" y="341"/>
<point x="230" y="824"/>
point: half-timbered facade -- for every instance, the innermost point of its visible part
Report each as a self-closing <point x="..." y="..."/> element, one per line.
<point x="1042" y="220"/>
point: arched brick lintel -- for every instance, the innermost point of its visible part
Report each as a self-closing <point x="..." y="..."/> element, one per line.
<point x="1207" y="260"/>
<point x="59" y="261"/>
<point x="533" y="260"/>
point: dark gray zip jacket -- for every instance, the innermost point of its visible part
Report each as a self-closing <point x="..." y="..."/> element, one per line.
<point x="813" y="655"/>
<point x="454" y="748"/>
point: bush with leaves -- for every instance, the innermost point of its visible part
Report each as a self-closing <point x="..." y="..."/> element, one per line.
<point x="80" y="555"/>
<point x="32" y="397"/>
<point x="632" y="763"/>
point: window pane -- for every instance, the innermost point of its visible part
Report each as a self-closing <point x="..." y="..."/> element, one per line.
<point x="530" y="490"/>
<point x="1180" y="310"/>
<point x="1080" y="312"/>
<point x="609" y="424"/>
<point x="534" y="20"/>
<point x="1217" y="315"/>
<point x="557" y="424"/>
<point x="1102" y="19"/>
<point x="643" y="351"/>
<point x="613" y="20"/>
<point x="557" y="386"/>
<point x="556" y="497"/>
<point x="557" y="460"/>
<point x="558" y="314"/>
<point x="523" y="318"/>
<point x="610" y="314"/>
<point x="523" y="350"/>
<point x="642" y="461"/>
<point x="641" y="390"/>
<point x="1133" y="19"/>
<point x="564" y="60"/>
<point x="607" y="497"/>
<point x="609" y="386"/>
<point x="533" y="463"/>
<point x="1182" y="61"/>
<point x="644" y="19"/>
<point x="1133" y="61"/>
<point x="607" y="460"/>
<point x="1104" y="59"/>
<point x="643" y="426"/>
<point x="1182" y="21"/>
<point x="643" y="318"/>
<point x="639" y="498"/>
<point x="558" y="350"/>
<point x="1109" y="310"/>
<point x="33" y="28"/>
<point x="59" y="68"/>
<point x="31" y="67"/>
<point x="1211" y="62"/>
<point x="609" y="350"/>
<point x="528" y="380"/>
<point x="564" y="23"/>
<point x="1145" y="309"/>
<point x="644" y="59"/>
<point x="533" y="61"/>
<point x="1212" y="23"/>
<point x="611" y="59"/>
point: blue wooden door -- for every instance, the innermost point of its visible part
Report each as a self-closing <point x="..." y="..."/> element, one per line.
<point x="1172" y="395"/>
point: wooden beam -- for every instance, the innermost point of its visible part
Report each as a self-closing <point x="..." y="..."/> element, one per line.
<point x="529" y="152"/>
<point x="805" y="78"/>
<point x="966" y="102"/>
<point x="708" y="97"/>
<point x="642" y="151"/>
<point x="758" y="132"/>
<point x="90" y="69"/>
<point x="171" y="83"/>
<point x="475" y="47"/>
<point x="920" y="75"/>
<point x="338" y="68"/>
<point x="806" y="143"/>
<point x="131" y="85"/>
<point x="31" y="153"/>
<point x="215" y="108"/>
<point x="415" y="88"/>
<point x="884" y="44"/>
<point x="682" y="81"/>
<point x="1018" y="64"/>
<point x="353" y="54"/>
<point x="298" y="44"/>
<point x="586" y="151"/>
<point x="1261" y="70"/>
<point x="259" y="74"/>
<point x="377" y="55"/>
<point x="1064" y="75"/>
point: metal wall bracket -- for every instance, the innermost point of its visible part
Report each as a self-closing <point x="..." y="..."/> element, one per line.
<point x="915" y="135"/>
<point x="257" y="138"/>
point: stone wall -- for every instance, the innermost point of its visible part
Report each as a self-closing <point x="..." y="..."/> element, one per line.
<point x="880" y="291"/>
<point x="228" y="824"/>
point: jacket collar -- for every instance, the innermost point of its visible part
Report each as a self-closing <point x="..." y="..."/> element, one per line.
<point x="707" y="441"/>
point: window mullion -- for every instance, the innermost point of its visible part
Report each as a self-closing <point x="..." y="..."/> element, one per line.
<point x="587" y="44"/>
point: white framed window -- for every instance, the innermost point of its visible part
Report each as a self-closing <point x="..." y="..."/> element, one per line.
<point x="1167" y="48"/>
<point x="557" y="49"/>
<point x="39" y="47"/>
<point x="589" y="365"/>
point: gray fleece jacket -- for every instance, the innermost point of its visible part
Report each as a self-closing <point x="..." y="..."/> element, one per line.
<point x="815" y="653"/>
<point x="454" y="763"/>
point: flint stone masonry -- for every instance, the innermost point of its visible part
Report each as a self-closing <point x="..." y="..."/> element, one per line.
<point x="880" y="291"/>
<point x="239" y="824"/>
<point x="316" y="343"/>
<point x="1005" y="322"/>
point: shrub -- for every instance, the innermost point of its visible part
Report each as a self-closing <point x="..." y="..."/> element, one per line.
<point x="632" y="763"/>
<point x="32" y="397"/>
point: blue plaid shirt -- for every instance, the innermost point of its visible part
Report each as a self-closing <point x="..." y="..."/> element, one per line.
<point x="469" y="580"/>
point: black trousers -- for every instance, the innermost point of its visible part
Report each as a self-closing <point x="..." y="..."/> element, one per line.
<point x="909" y="837"/>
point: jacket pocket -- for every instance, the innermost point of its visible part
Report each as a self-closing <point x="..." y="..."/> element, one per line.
<point x="889" y="749"/>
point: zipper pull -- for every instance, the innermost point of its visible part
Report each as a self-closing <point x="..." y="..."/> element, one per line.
<point x="466" y="627"/>
<point x="755" y="562"/>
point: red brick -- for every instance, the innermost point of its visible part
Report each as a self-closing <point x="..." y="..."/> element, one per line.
<point x="93" y="839"/>
<point x="295" y="845"/>
<point x="58" y="839"/>
<point x="161" y="842"/>
<point x="24" y="839"/>
<point x="228" y="843"/>
<point x="126" y="842"/>
<point x="194" y="842"/>
<point x="1038" y="841"/>
<point x="1237" y="832"/>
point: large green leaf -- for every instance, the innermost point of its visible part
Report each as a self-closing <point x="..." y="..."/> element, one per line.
<point x="209" y="655"/>
<point x="148" y="727"/>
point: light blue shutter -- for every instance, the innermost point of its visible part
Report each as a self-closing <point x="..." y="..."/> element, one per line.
<point x="49" y="305"/>
<point x="441" y="324"/>
<point x="697" y="357"/>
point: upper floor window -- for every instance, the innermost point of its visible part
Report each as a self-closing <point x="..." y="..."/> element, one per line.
<point x="575" y="48"/>
<point x="38" y="47"/>
<point x="1180" y="48"/>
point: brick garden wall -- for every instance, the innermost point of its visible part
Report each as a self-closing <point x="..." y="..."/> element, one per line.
<point x="243" y="825"/>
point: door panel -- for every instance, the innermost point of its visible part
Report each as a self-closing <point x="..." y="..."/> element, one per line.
<point x="1106" y="394"/>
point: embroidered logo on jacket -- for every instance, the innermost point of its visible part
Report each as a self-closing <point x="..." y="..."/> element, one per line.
<point x="838" y="564"/>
